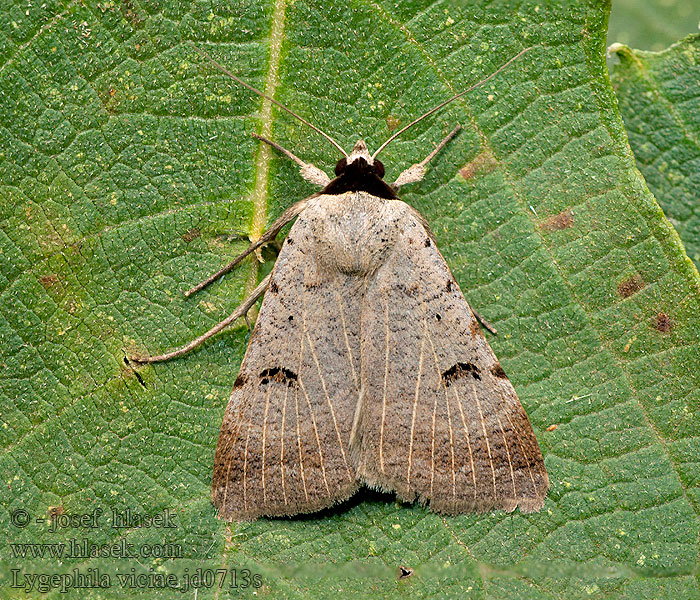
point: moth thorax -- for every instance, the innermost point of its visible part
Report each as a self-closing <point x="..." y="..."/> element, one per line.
<point x="354" y="233"/>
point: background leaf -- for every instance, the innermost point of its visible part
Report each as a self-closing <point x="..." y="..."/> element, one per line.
<point x="659" y="99"/>
<point x="128" y="173"/>
<point x="652" y="24"/>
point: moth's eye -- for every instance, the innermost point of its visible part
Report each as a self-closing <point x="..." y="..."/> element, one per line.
<point x="378" y="169"/>
<point x="340" y="166"/>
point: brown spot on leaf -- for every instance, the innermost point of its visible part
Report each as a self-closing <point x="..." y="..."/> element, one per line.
<point x="563" y="220"/>
<point x="129" y="12"/>
<point x="48" y="280"/>
<point x="630" y="286"/>
<point x="497" y="371"/>
<point x="482" y="164"/>
<point x="190" y="234"/>
<point x="551" y="427"/>
<point x="71" y="307"/>
<point x="392" y="122"/>
<point x="663" y="322"/>
<point x="56" y="511"/>
<point x="405" y="572"/>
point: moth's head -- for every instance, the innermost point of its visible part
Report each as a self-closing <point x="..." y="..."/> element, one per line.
<point x="359" y="162"/>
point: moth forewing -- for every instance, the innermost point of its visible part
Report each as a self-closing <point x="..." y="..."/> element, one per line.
<point x="441" y="422"/>
<point x="283" y="446"/>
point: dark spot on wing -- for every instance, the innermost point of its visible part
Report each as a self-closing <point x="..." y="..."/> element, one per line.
<point x="438" y="317"/>
<point x="460" y="370"/>
<point x="240" y="380"/>
<point x="427" y="242"/>
<point x="408" y="290"/>
<point x="290" y="241"/>
<point x="273" y="287"/>
<point x="497" y="371"/>
<point x="448" y="285"/>
<point x="474" y="328"/>
<point x="279" y="375"/>
<point x="413" y="289"/>
<point x="630" y="286"/>
<point x="663" y="323"/>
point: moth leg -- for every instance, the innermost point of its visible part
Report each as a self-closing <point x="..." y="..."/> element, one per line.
<point x="416" y="172"/>
<point x="308" y="171"/>
<point x="484" y="323"/>
<point x="266" y="237"/>
<point x="242" y="310"/>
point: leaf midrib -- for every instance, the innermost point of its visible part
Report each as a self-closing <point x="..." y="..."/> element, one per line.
<point x="259" y="195"/>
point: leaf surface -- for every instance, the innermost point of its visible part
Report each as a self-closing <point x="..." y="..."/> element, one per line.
<point x="128" y="174"/>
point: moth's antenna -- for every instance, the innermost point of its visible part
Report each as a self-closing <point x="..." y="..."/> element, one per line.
<point x="259" y="93"/>
<point x="439" y="106"/>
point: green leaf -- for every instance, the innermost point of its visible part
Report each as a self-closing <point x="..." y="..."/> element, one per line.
<point x="652" y="24"/>
<point x="659" y="99"/>
<point x="128" y="174"/>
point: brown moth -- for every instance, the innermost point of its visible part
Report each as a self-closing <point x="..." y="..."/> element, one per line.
<point x="366" y="365"/>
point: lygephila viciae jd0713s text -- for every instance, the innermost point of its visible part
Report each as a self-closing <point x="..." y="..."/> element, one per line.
<point x="366" y="365"/>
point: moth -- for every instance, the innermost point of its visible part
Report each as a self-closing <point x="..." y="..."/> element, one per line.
<point x="366" y="365"/>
